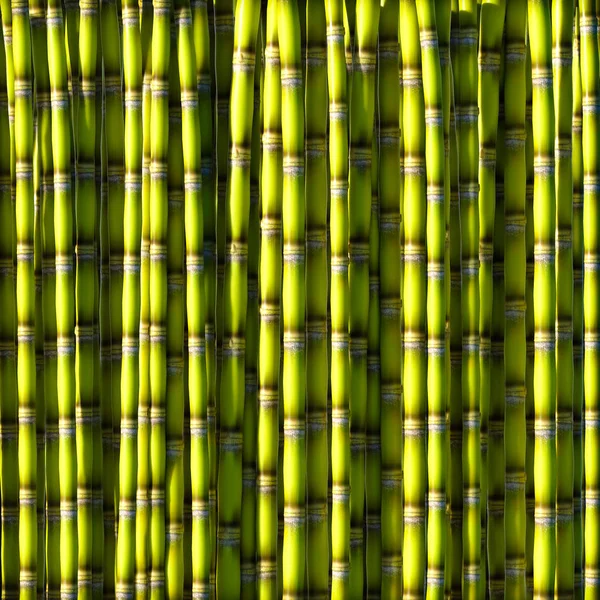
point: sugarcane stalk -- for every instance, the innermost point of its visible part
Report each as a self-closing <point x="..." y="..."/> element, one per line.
<point x="72" y="24"/>
<point x="588" y="27"/>
<point x="270" y="306"/>
<point x="142" y="523"/>
<point x="577" y="240"/>
<point x="159" y="224"/>
<point x="562" y="57"/>
<point x="9" y="492"/>
<point x="385" y="509"/>
<point x="130" y="375"/>
<point x="515" y="267"/>
<point x="65" y="298"/>
<point x="232" y="391"/>
<point x="544" y="298"/>
<point x="317" y="366"/>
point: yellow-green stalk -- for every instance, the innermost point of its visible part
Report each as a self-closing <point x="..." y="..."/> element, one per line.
<point x="544" y="299"/>
<point x="386" y="509"/>
<point x="515" y="267"/>
<point x="562" y="57"/>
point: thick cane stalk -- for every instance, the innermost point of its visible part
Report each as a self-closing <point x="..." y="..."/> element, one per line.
<point x="562" y="56"/>
<point x="317" y="367"/>
<point x="544" y="298"/>
<point x="515" y="345"/>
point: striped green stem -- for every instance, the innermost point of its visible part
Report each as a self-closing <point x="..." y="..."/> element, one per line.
<point x="385" y="509"/>
<point x="515" y="266"/>
<point x="562" y="57"/>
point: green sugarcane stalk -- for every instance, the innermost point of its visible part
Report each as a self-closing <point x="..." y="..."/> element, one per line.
<point x="491" y="23"/>
<point x="544" y="298"/>
<point x="384" y="506"/>
<point x="588" y="26"/>
<point x="270" y="307"/>
<point x="293" y="302"/>
<point x="132" y="226"/>
<point x="515" y="345"/>
<point x="372" y="527"/>
<point x="65" y="298"/>
<point x="454" y="484"/>
<point x="159" y="222"/>
<point x="190" y="79"/>
<point x="562" y="56"/>
<point x="436" y="298"/>
<point x="175" y="330"/>
<point x="529" y="326"/>
<point x="85" y="273"/>
<point x="248" y="514"/>
<point x="72" y="24"/>
<point x="111" y="53"/>
<point x="317" y="365"/>
<point x="338" y="223"/>
<point x="203" y="29"/>
<point x="415" y="307"/>
<point x="142" y="523"/>
<point x="26" y="375"/>
<point x="231" y="407"/>
<point x="467" y="111"/>
<point x="577" y="240"/>
<point x="359" y="219"/>
<point x="9" y="492"/>
<point x="494" y="552"/>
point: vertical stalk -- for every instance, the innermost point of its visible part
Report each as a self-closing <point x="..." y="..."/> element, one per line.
<point x="9" y="492"/>
<point x="159" y="223"/>
<point x="515" y="268"/>
<point x="270" y="307"/>
<point x="588" y="28"/>
<point x="386" y="508"/>
<point x="130" y="373"/>
<point x="142" y="521"/>
<point x="562" y="57"/>
<point x="577" y="233"/>
<point x="235" y="301"/>
<point x="338" y="223"/>
<point x="65" y="298"/>
<point x="415" y="306"/>
<point x="544" y="299"/>
<point x="317" y="366"/>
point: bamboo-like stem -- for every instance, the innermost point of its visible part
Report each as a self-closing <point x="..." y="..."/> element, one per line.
<point x="159" y="223"/>
<point x="515" y="345"/>
<point x="130" y="376"/>
<point x="26" y="374"/>
<point x="9" y="492"/>
<point x="494" y="551"/>
<point x="454" y="482"/>
<point x="72" y="25"/>
<point x="529" y="326"/>
<point x="491" y="23"/>
<point x="85" y="272"/>
<point x="386" y="508"/>
<point x="317" y="366"/>
<point x="562" y="57"/>
<point x="111" y="53"/>
<point x="338" y="223"/>
<point x="588" y="28"/>
<point x="372" y="528"/>
<point x="270" y="306"/>
<point x="191" y="79"/>
<point x="577" y="233"/>
<point x="544" y="298"/>
<point x="175" y="331"/>
<point x="142" y="523"/>
<point x="362" y="102"/>
<point x="65" y="298"/>
<point x="232" y="391"/>
<point x="415" y="307"/>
